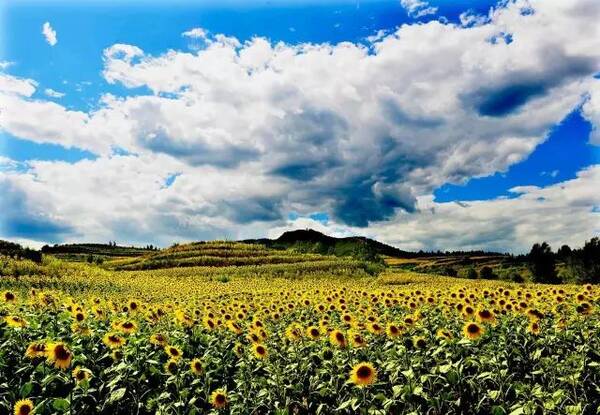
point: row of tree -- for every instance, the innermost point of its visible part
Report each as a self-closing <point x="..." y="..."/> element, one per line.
<point x="16" y="251"/>
<point x="581" y="265"/>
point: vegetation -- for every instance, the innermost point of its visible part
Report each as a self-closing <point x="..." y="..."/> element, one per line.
<point x="95" y="253"/>
<point x="13" y="250"/>
<point x="309" y="336"/>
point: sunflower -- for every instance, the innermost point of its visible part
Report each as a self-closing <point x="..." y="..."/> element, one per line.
<point x="363" y="374"/>
<point x="23" y="407"/>
<point x="534" y="328"/>
<point x="337" y="338"/>
<point x="81" y="329"/>
<point x="174" y="352"/>
<point x="158" y="339"/>
<point x="313" y="332"/>
<point x="80" y="374"/>
<point x="218" y="399"/>
<point x="419" y="342"/>
<point x="113" y="340"/>
<point x="117" y="355"/>
<point x="9" y="297"/>
<point x="260" y="351"/>
<point x="196" y="366"/>
<point x="238" y="349"/>
<point x="127" y="327"/>
<point x="15" y="321"/>
<point x="375" y="328"/>
<point x="357" y="339"/>
<point x="253" y="337"/>
<point x="444" y="334"/>
<point x="585" y="309"/>
<point x="486" y="316"/>
<point x="171" y="366"/>
<point x="234" y="327"/>
<point x="393" y="330"/>
<point x="209" y="323"/>
<point x="36" y="349"/>
<point x="59" y="355"/>
<point x="79" y="316"/>
<point x="293" y="332"/>
<point x="473" y="330"/>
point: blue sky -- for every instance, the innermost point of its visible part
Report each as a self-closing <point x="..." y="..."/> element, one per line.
<point x="537" y="120"/>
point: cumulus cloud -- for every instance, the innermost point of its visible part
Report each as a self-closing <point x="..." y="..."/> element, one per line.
<point x="362" y="131"/>
<point x="49" y="33"/>
<point x="10" y="85"/>
<point x="418" y="8"/>
<point x="5" y="64"/>
<point x="196" y="33"/>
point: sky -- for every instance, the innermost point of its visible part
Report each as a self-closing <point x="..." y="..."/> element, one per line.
<point x="423" y="124"/>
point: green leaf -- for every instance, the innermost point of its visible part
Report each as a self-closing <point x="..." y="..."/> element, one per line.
<point x="61" y="404"/>
<point x="117" y="395"/>
<point x="26" y="389"/>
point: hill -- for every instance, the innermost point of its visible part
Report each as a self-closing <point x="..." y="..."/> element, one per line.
<point x="93" y="252"/>
<point x="311" y="241"/>
<point x="224" y="254"/>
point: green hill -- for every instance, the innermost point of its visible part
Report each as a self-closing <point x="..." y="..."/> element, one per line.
<point x="311" y="241"/>
<point x="215" y="254"/>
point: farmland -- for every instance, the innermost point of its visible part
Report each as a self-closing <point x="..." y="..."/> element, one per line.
<point x="228" y="327"/>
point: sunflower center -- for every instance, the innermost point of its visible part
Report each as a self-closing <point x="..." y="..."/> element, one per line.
<point x="363" y="372"/>
<point x="61" y="353"/>
<point x="473" y="328"/>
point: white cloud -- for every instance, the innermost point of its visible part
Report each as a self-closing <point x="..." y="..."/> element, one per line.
<point x="196" y="33"/>
<point x="16" y="86"/>
<point x="5" y="64"/>
<point x="260" y="129"/>
<point x="53" y="94"/>
<point x="591" y="111"/>
<point x="418" y="8"/>
<point x="49" y="33"/>
<point x="470" y="18"/>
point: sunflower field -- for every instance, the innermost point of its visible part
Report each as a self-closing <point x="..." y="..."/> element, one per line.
<point x="293" y="337"/>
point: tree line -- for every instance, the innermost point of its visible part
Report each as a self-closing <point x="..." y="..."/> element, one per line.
<point x="581" y="265"/>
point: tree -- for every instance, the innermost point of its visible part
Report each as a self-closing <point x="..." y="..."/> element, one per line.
<point x="487" y="273"/>
<point x="564" y="252"/>
<point x="472" y="273"/>
<point x="515" y="276"/>
<point x="542" y="264"/>
<point x="585" y="262"/>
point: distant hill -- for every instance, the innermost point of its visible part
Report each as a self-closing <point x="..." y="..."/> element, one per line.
<point x="311" y="241"/>
<point x="94" y="251"/>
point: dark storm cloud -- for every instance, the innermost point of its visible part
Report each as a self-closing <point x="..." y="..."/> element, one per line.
<point x="517" y="89"/>
<point x="197" y="152"/>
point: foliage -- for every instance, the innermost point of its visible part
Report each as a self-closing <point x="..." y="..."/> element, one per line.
<point x="543" y="264"/>
<point x="13" y="250"/>
<point x="584" y="263"/>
